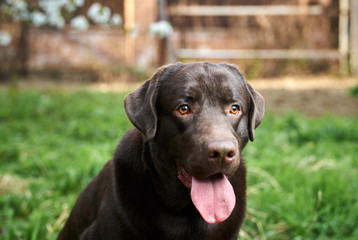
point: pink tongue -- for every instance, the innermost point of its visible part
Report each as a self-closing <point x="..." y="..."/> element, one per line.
<point x="214" y="198"/>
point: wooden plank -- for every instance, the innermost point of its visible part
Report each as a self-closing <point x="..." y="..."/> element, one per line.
<point x="343" y="38"/>
<point x="354" y="36"/>
<point x="258" y="54"/>
<point x="276" y="10"/>
<point x="129" y="14"/>
<point x="129" y="24"/>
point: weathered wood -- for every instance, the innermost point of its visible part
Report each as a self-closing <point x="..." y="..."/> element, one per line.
<point x="258" y="54"/>
<point x="354" y="36"/>
<point x="129" y="14"/>
<point x="341" y="53"/>
<point x="276" y="10"/>
<point x="129" y="25"/>
<point x="165" y="54"/>
<point x="343" y="38"/>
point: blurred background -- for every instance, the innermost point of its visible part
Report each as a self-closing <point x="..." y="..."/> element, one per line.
<point x="66" y="65"/>
<point x="264" y="37"/>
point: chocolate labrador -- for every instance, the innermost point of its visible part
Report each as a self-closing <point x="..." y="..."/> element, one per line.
<point x="179" y="173"/>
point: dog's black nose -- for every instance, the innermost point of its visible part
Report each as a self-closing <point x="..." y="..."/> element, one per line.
<point x="221" y="152"/>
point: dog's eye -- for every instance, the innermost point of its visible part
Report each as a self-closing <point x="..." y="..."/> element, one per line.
<point x="234" y="109"/>
<point x="184" y="109"/>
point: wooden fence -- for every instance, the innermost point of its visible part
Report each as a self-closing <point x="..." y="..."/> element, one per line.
<point x="345" y="51"/>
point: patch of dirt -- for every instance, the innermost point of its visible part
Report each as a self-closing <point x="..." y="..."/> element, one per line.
<point x="313" y="95"/>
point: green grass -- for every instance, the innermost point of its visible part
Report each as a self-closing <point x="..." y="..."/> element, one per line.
<point x="302" y="172"/>
<point x="353" y="91"/>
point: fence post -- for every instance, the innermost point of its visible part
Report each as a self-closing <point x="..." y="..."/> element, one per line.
<point x="129" y="25"/>
<point x="343" y="38"/>
<point x="354" y="37"/>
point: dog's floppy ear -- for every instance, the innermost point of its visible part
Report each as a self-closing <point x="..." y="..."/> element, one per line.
<point x="256" y="110"/>
<point x="140" y="106"/>
<point x="256" y="102"/>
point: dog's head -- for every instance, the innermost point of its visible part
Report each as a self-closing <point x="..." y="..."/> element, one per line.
<point x="197" y="118"/>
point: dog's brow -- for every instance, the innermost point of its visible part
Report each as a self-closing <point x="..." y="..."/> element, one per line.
<point x="226" y="93"/>
<point x="192" y="95"/>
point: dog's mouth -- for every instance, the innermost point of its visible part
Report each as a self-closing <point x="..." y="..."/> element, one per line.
<point x="213" y="196"/>
<point x="184" y="176"/>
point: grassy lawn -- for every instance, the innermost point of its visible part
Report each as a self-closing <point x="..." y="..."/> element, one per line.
<point x="302" y="172"/>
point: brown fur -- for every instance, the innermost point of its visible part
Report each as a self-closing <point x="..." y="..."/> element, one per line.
<point x="138" y="195"/>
